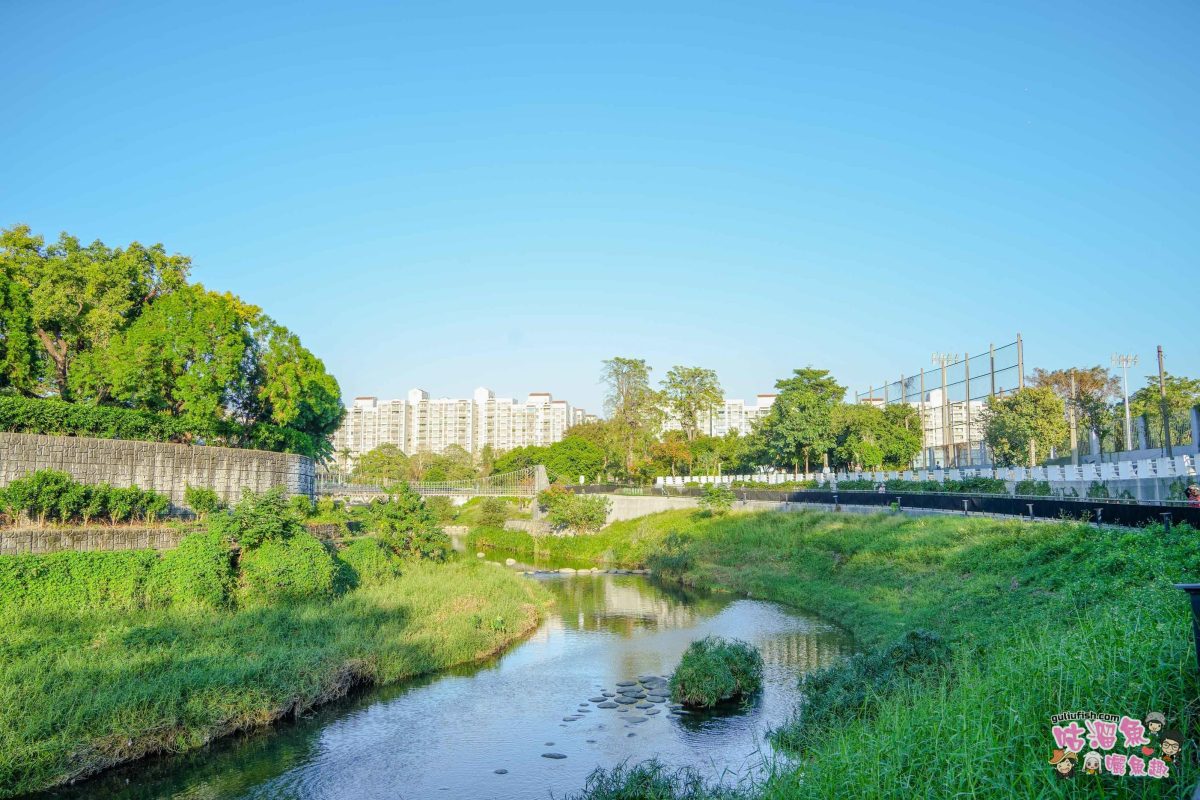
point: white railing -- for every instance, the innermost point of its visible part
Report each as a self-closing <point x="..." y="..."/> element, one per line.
<point x="1183" y="466"/>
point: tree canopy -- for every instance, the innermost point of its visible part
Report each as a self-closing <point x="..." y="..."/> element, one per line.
<point x="1022" y="427"/>
<point x="800" y="424"/>
<point x="123" y="327"/>
<point x="689" y="392"/>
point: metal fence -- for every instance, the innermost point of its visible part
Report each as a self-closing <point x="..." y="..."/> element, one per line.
<point x="950" y="396"/>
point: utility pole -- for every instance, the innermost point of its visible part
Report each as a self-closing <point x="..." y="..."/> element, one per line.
<point x="1071" y="419"/>
<point x="1125" y="362"/>
<point x="924" y="440"/>
<point x="943" y="359"/>
<point x="1162" y="396"/>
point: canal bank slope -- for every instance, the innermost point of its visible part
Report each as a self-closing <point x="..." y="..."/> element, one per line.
<point x="84" y="689"/>
<point x="1027" y="621"/>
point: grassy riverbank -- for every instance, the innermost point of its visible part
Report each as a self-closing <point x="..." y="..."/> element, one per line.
<point x="1039" y="618"/>
<point x="84" y="689"/>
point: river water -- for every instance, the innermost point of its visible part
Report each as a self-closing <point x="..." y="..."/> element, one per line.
<point x="445" y="736"/>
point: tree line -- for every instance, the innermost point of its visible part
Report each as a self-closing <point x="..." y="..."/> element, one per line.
<point x="122" y="327"/>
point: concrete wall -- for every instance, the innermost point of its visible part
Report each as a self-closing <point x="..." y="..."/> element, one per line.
<point x="626" y="507"/>
<point x="165" y="468"/>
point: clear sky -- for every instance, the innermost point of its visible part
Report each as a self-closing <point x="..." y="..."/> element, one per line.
<point x="455" y="194"/>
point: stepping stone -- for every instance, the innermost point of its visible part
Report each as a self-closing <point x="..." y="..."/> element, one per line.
<point x="596" y="699"/>
<point x="500" y="771"/>
<point x="654" y="711"/>
<point x="553" y="755"/>
<point x="636" y="720"/>
<point x="571" y="719"/>
<point x="591" y="741"/>
<point x="675" y="706"/>
<point x="609" y="694"/>
<point x="630" y="734"/>
<point x="549" y="744"/>
<point x="626" y="701"/>
<point x="626" y="683"/>
<point x="644" y="704"/>
<point x="607" y="705"/>
<point x="623" y="708"/>
<point x="585" y="711"/>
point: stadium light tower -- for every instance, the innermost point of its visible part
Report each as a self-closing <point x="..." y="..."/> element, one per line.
<point x="1125" y="362"/>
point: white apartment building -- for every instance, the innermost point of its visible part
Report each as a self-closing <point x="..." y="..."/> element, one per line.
<point x="420" y="424"/>
<point x="732" y="415"/>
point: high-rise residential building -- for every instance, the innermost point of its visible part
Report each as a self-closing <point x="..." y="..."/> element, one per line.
<point x="421" y="424"/>
<point x="732" y="415"/>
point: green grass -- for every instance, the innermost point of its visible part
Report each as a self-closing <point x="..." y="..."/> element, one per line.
<point x="1038" y="618"/>
<point x="622" y="544"/>
<point x="84" y="689"/>
<point x="713" y="670"/>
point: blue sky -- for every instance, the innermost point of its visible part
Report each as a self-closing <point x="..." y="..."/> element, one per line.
<point x="453" y="194"/>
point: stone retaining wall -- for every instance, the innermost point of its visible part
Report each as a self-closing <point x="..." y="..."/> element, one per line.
<point x="163" y="467"/>
<point x="51" y="540"/>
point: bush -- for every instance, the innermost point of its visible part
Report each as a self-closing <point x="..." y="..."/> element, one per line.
<point x="258" y="518"/>
<point x="493" y="512"/>
<point x="202" y="501"/>
<point x="199" y="572"/>
<point x="856" y="485"/>
<point x="715" y="669"/>
<point x="716" y="499"/>
<point x="286" y="570"/>
<point x="405" y="524"/>
<point x="578" y="512"/>
<point x="302" y="506"/>
<point x="441" y="507"/>
<point x="73" y="581"/>
<point x="1030" y="488"/>
<point x="56" y="496"/>
<point x="370" y="562"/>
<point x="851" y="689"/>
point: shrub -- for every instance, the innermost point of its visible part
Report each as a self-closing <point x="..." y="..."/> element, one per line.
<point x="199" y="572"/>
<point x="716" y="499"/>
<point x="202" y="501"/>
<point x="673" y="558"/>
<point x="1031" y="488"/>
<point x="302" y="506"/>
<point x="286" y="570"/>
<point x="370" y="562"/>
<point x="493" y="512"/>
<point x="858" y="484"/>
<point x="851" y="689"/>
<point x="577" y="512"/>
<point x="72" y="581"/>
<point x="405" y="524"/>
<point x="258" y="518"/>
<point x="441" y="507"/>
<point x="715" y="669"/>
<point x="52" y="495"/>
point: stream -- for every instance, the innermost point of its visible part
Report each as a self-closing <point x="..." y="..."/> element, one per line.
<point x="448" y="735"/>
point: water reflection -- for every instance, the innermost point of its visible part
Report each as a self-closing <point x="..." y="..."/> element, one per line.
<point x="444" y="737"/>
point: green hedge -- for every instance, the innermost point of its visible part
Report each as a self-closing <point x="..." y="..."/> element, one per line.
<point x="51" y="417"/>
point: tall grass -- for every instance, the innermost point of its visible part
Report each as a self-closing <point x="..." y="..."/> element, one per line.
<point x="81" y="690"/>
<point x="1039" y="618"/>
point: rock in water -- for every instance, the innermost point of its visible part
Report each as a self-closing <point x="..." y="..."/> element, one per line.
<point x="606" y="705"/>
<point x="500" y="771"/>
<point x="595" y="699"/>
<point x="644" y="704"/>
<point x="553" y="755"/>
<point x="626" y="683"/>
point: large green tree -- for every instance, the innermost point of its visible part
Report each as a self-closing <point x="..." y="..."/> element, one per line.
<point x="799" y="426"/>
<point x="690" y="392"/>
<point x="867" y="437"/>
<point x="386" y="465"/>
<point x="1088" y="392"/>
<point x="82" y="295"/>
<point x="1022" y="427"/>
<point x="1182" y="395"/>
<point x="634" y="409"/>
<point x="19" y="350"/>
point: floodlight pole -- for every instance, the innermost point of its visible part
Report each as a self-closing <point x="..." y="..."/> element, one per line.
<point x="1125" y="362"/>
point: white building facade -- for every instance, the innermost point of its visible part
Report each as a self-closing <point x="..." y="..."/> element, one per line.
<point x="421" y="424"/>
<point x="732" y="415"/>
